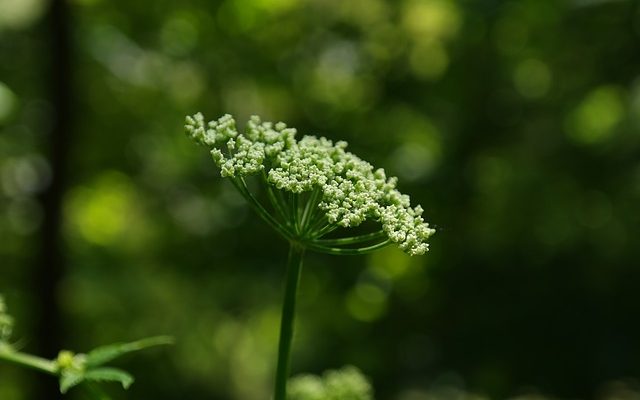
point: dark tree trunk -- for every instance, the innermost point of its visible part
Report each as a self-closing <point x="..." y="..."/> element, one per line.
<point x="50" y="263"/>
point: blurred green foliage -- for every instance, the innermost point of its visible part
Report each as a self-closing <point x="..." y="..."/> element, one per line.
<point x="516" y="124"/>
<point x="344" y="384"/>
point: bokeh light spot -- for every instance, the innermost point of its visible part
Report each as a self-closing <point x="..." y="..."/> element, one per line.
<point x="24" y="176"/>
<point x="86" y="3"/>
<point x="7" y="102"/>
<point x="429" y="19"/>
<point x="429" y="60"/>
<point x="366" y="302"/>
<point x="276" y="6"/>
<point x="179" y="34"/>
<point x="419" y="152"/>
<point x="596" y="117"/>
<point x="237" y="16"/>
<point x="186" y="82"/>
<point x="366" y="13"/>
<point x="234" y="19"/>
<point x="105" y="212"/>
<point x="389" y="263"/>
<point x="337" y="79"/>
<point x="532" y="79"/>
<point x="413" y="161"/>
<point x="634" y="102"/>
<point x="19" y="14"/>
<point x="510" y="34"/>
<point x="24" y="216"/>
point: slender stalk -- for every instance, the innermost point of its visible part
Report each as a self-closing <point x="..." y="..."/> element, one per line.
<point x="276" y="202"/>
<point x="317" y="218"/>
<point x="278" y="205"/>
<point x="316" y="224"/>
<point x="310" y="208"/>
<point x="294" y="266"/>
<point x="293" y="200"/>
<point x="330" y="227"/>
<point x="260" y="210"/>
<point x="352" y="240"/>
<point x="29" y="361"/>
<point x="284" y="203"/>
<point x="346" y="252"/>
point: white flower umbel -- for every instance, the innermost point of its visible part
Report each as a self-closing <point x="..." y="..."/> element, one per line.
<point x="314" y="187"/>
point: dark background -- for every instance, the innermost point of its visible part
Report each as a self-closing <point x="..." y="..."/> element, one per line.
<point x="516" y="124"/>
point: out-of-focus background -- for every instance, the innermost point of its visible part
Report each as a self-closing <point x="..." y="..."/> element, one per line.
<point x="516" y="124"/>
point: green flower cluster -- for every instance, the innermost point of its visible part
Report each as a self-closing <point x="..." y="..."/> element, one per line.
<point x="346" y="188"/>
<point x="347" y="383"/>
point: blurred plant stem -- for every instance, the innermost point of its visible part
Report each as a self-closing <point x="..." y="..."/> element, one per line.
<point x="294" y="266"/>
<point x="72" y="369"/>
<point x="27" y="360"/>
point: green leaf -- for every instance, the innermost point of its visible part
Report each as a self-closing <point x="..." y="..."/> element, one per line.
<point x="107" y="353"/>
<point x="109" y="375"/>
<point x="70" y="378"/>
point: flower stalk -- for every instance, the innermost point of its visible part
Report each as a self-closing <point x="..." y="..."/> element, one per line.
<point x="313" y="188"/>
<point x="27" y="360"/>
<point x="294" y="268"/>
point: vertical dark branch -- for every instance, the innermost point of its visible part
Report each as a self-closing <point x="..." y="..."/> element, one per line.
<point x="50" y="264"/>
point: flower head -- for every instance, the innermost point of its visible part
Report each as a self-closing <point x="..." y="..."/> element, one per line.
<point x="346" y="189"/>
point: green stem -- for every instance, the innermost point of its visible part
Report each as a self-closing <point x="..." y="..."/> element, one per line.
<point x="294" y="266"/>
<point x="346" y="252"/>
<point x="351" y="240"/>
<point x="29" y="361"/>
<point x="316" y="224"/>
<point x="293" y="199"/>
<point x="244" y="190"/>
<point x="284" y="202"/>
<point x="275" y="202"/>
<point x="328" y="228"/>
<point x="318" y="217"/>
<point x="310" y="208"/>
